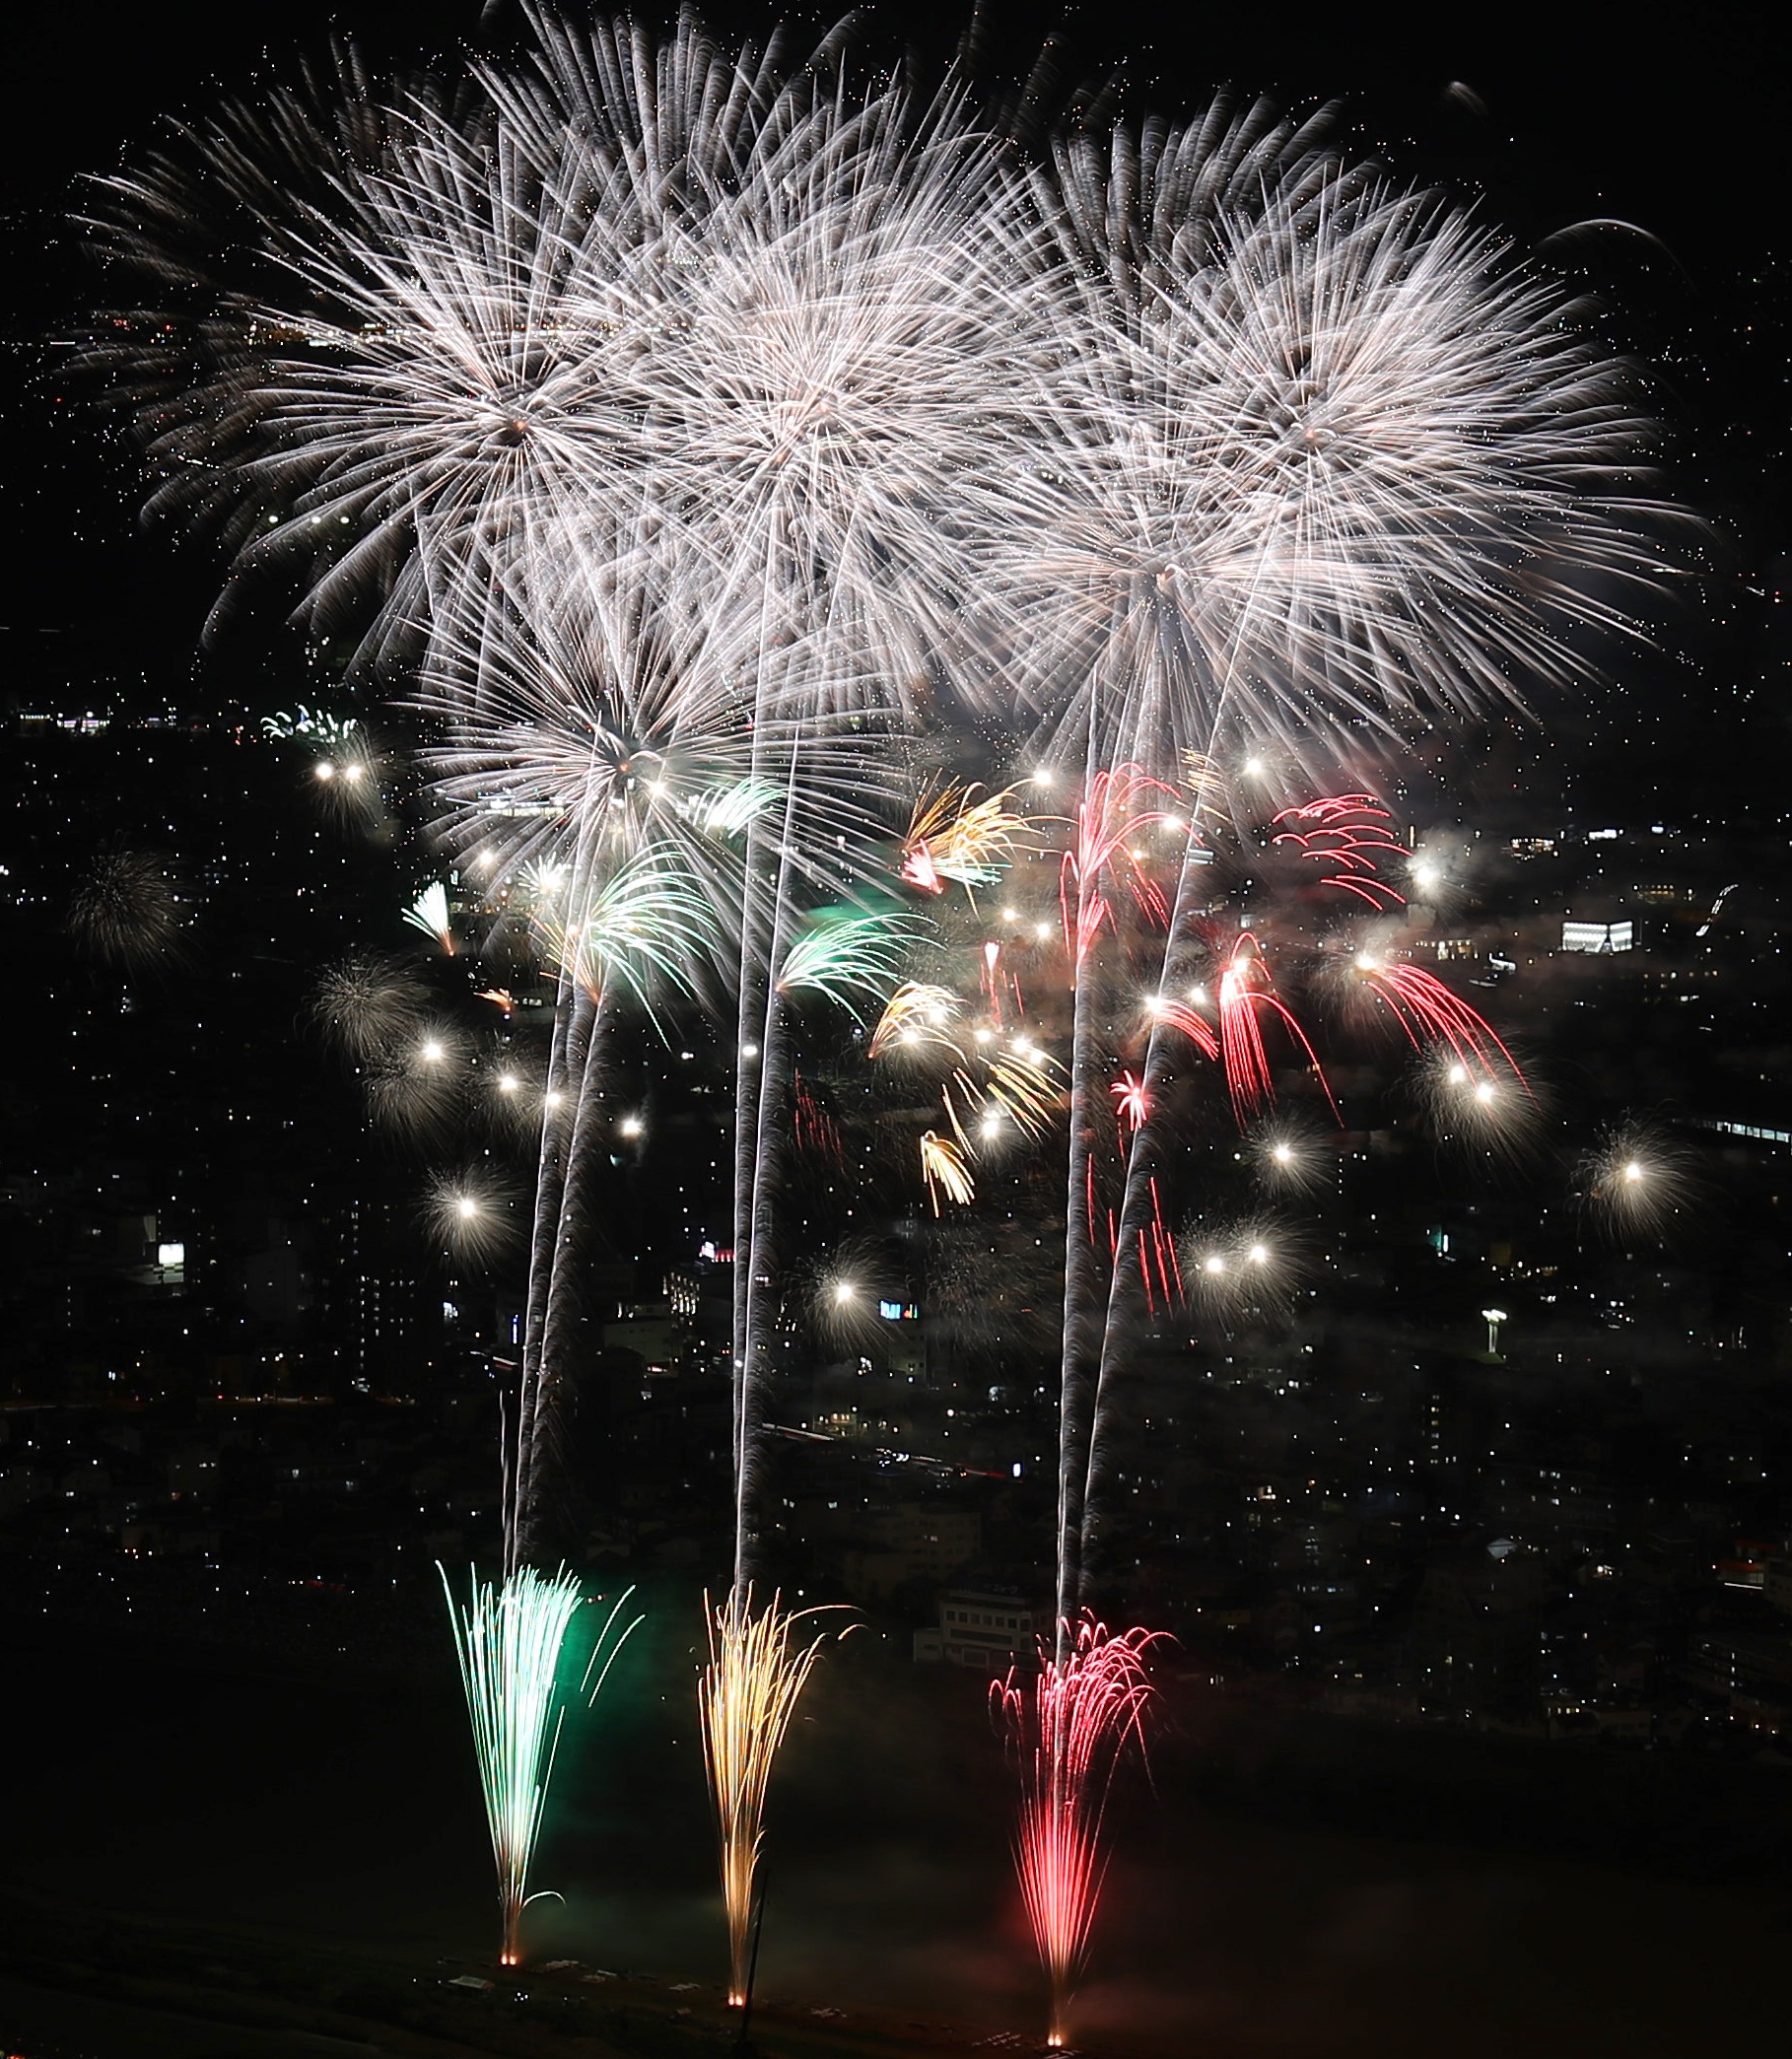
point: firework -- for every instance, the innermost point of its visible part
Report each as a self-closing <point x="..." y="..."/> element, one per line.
<point x="471" y="1213"/>
<point x="126" y="912"/>
<point x="1119" y="805"/>
<point x="1345" y="838"/>
<point x="1288" y="1157"/>
<point x="1285" y="370"/>
<point x="844" y="953"/>
<point x="507" y="1639"/>
<point x="1018" y="1088"/>
<point x="1182" y="1018"/>
<point x="1250" y="1268"/>
<point x="918" y="1018"/>
<point x="1429" y="1013"/>
<point x="955" y="838"/>
<point x="759" y="1665"/>
<point x="1245" y="987"/>
<point x="430" y="913"/>
<point x="368" y="1004"/>
<point x="1636" y="1181"/>
<point x="328" y="733"/>
<point x="642" y="929"/>
<point x="1132" y="1103"/>
<point x="1068" y="1727"/>
<point x="943" y="1172"/>
<point x="400" y="364"/>
<point x="418" y="1087"/>
<point x="347" y="781"/>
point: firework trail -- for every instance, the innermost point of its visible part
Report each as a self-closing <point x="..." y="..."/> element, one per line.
<point x="1067" y="1727"/>
<point x="509" y="1639"/>
<point x="430" y="913"/>
<point x="759" y="1665"/>
<point x="597" y="757"/>
<point x="1289" y="370"/>
<point x="843" y="955"/>
<point x="1099" y="863"/>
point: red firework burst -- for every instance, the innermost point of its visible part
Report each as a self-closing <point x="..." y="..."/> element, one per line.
<point x="1344" y="835"/>
<point x="1245" y="987"/>
<point x="1428" y="1011"/>
<point x="1119" y="805"/>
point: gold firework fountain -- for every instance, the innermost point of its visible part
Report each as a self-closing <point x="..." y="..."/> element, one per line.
<point x="759" y="1665"/>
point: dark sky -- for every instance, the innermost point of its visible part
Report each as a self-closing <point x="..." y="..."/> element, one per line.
<point x="1668" y="117"/>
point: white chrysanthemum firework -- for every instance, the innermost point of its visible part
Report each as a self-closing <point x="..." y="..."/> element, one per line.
<point x="1326" y="459"/>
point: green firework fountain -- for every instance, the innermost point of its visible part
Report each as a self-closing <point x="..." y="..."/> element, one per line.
<point x="509" y="1638"/>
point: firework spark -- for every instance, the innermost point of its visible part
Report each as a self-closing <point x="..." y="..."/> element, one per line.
<point x="943" y="1172"/>
<point x="1288" y="1157"/>
<point x="1638" y="1179"/>
<point x="918" y="1018"/>
<point x="430" y="913"/>
<point x="759" y="1665"/>
<point x="472" y="1213"/>
<point x="368" y="1004"/>
<point x="1251" y="1268"/>
<point x="954" y="837"/>
<point x="126" y="912"/>
<point x="1492" y="1108"/>
<point x="1068" y="1727"/>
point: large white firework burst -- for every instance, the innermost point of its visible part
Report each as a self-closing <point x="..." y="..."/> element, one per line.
<point x="1326" y="461"/>
<point x="583" y="709"/>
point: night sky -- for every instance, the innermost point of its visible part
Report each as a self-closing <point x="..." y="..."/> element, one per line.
<point x="1643" y="147"/>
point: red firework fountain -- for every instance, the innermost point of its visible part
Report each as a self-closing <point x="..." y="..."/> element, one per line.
<point x="1068" y="1727"/>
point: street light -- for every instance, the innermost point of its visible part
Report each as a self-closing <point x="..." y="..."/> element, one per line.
<point x="1492" y="1318"/>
